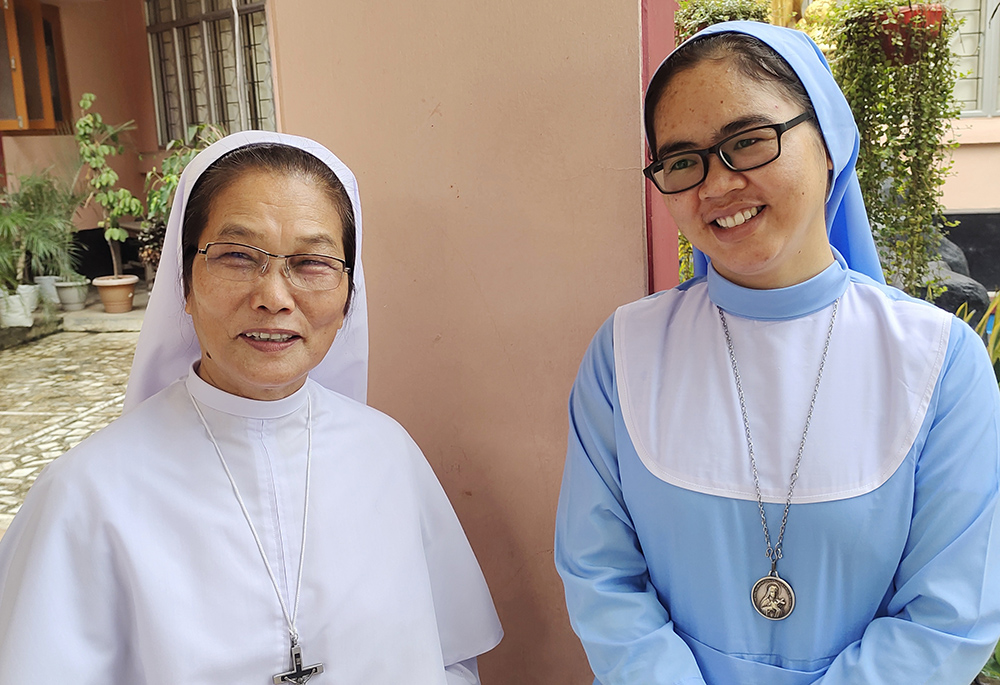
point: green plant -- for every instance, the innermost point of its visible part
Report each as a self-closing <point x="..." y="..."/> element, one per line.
<point x="991" y="671"/>
<point x="691" y="17"/>
<point x="97" y="141"/>
<point x="36" y="230"/>
<point x="898" y="74"/>
<point x="161" y="183"/>
<point x="989" y="331"/>
<point x="694" y="15"/>
<point x="9" y="248"/>
<point x="45" y="207"/>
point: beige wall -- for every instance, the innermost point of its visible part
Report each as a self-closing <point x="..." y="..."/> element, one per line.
<point x="498" y="151"/>
<point x="975" y="180"/>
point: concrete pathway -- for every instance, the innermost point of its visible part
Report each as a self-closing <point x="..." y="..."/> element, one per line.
<point x="56" y="391"/>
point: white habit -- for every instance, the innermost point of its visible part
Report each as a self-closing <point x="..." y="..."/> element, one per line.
<point x="130" y="561"/>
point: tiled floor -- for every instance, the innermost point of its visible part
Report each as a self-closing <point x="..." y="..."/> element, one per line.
<point x="54" y="392"/>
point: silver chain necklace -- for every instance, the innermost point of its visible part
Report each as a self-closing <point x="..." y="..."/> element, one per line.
<point x="772" y="596"/>
<point x="298" y="673"/>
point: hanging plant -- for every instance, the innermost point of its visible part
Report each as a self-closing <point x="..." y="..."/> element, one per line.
<point x="898" y="74"/>
<point x="691" y="17"/>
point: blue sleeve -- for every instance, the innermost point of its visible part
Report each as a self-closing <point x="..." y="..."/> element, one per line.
<point x="613" y="607"/>
<point x="944" y="609"/>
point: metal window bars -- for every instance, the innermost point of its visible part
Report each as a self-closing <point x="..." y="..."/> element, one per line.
<point x="208" y="68"/>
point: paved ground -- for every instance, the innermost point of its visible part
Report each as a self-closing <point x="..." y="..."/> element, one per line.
<point x="54" y="392"/>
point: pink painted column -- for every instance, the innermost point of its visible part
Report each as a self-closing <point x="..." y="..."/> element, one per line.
<point x="661" y="232"/>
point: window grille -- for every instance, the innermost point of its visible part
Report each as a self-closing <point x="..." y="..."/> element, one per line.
<point x="200" y="76"/>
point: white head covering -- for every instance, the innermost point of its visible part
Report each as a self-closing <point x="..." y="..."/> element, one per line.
<point x="167" y="343"/>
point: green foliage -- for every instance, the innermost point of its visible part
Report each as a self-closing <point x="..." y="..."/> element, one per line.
<point x="161" y="183"/>
<point x="693" y="16"/>
<point x="97" y="141"/>
<point x="10" y="251"/>
<point x="903" y="110"/>
<point x="992" y="340"/>
<point x="36" y="230"/>
<point x="46" y="206"/>
<point x="992" y="668"/>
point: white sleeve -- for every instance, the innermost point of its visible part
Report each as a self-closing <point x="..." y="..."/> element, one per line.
<point x="463" y="673"/>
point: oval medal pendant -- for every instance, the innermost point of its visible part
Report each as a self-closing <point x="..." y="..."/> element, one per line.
<point x="772" y="597"/>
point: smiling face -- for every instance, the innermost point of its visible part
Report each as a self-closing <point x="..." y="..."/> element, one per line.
<point x="259" y="339"/>
<point x="763" y="228"/>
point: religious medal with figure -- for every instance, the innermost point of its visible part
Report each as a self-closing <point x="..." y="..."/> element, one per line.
<point x="772" y="597"/>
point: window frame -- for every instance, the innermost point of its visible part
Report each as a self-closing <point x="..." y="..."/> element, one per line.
<point x="23" y="123"/>
<point x="203" y="19"/>
<point x="988" y="64"/>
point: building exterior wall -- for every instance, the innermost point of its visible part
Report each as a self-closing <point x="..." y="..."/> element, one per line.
<point x="498" y="151"/>
<point x="106" y="54"/>
<point x="975" y="180"/>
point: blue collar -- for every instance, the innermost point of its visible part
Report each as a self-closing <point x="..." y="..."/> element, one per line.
<point x="779" y="304"/>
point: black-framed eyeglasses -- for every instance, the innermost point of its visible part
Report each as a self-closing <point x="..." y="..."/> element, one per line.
<point x="741" y="151"/>
<point x="238" y="262"/>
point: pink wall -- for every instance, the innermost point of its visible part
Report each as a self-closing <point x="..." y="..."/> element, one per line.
<point x="499" y="153"/>
<point x="661" y="231"/>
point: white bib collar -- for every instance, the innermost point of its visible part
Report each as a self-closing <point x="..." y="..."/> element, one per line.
<point x="680" y="406"/>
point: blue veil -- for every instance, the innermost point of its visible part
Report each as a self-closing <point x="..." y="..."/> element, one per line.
<point x="846" y="219"/>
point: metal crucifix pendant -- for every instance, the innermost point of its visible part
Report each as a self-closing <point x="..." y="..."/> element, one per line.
<point x="298" y="674"/>
<point x="772" y="596"/>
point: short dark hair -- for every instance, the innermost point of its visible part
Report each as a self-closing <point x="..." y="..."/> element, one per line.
<point x="274" y="158"/>
<point x="754" y="59"/>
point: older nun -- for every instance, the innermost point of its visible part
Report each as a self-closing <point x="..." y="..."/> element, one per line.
<point x="248" y="520"/>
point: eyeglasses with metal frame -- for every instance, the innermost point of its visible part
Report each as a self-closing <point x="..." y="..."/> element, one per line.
<point x="239" y="262"/>
<point x="743" y="151"/>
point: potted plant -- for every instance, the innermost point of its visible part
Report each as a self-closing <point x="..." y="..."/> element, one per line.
<point x="36" y="233"/>
<point x="72" y="292"/>
<point x="13" y="311"/>
<point x="161" y="183"/>
<point x="904" y="29"/>
<point x="691" y="17"/>
<point x="903" y="104"/>
<point x="97" y="141"/>
<point x="45" y="208"/>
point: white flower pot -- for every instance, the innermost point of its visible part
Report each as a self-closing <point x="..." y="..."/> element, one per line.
<point x="13" y="312"/>
<point x="29" y="294"/>
<point x="47" y="288"/>
<point x="72" y="294"/>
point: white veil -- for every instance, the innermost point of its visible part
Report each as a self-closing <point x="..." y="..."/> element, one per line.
<point x="167" y="343"/>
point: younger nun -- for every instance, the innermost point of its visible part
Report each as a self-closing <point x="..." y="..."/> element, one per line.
<point x="782" y="471"/>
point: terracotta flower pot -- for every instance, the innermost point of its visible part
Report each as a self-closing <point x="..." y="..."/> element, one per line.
<point x="116" y="292"/>
<point x="904" y="22"/>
